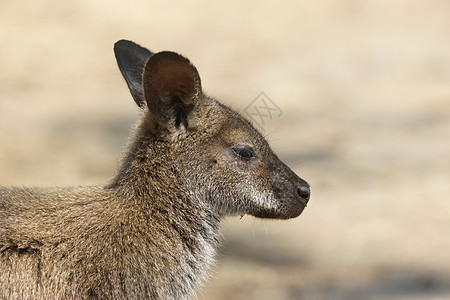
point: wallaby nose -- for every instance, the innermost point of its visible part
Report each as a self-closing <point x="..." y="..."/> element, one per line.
<point x="304" y="191"/>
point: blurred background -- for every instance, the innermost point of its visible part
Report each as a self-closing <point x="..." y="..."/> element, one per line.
<point x="364" y="87"/>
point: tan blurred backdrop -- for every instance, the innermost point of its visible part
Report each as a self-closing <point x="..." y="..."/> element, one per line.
<point x="364" y="87"/>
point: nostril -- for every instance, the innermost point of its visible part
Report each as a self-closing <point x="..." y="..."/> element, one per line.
<point x="304" y="192"/>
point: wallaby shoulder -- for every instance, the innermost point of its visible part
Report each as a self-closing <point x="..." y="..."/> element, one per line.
<point x="95" y="238"/>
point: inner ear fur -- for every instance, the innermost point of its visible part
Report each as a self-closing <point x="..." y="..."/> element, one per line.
<point x="172" y="88"/>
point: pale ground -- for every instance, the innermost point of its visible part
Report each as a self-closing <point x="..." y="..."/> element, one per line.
<point x="365" y="91"/>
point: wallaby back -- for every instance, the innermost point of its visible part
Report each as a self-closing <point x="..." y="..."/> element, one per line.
<point x="152" y="231"/>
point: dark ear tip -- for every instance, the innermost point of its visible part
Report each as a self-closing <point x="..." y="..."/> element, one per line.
<point x="122" y="44"/>
<point x="121" y="41"/>
<point x="129" y="50"/>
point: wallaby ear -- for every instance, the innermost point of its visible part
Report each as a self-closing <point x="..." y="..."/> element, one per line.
<point x="131" y="59"/>
<point x="172" y="88"/>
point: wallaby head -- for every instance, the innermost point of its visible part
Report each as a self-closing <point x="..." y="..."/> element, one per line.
<point x="217" y="155"/>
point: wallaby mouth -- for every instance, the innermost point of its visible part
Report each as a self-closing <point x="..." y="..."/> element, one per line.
<point x="300" y="199"/>
<point x="289" y="210"/>
<point x="291" y="193"/>
<point x="291" y="203"/>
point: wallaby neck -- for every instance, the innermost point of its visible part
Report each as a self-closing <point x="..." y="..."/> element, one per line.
<point x="151" y="189"/>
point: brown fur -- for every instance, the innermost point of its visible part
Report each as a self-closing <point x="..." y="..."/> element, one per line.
<point x="152" y="231"/>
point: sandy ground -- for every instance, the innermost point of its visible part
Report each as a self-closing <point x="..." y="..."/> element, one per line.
<point x="364" y="87"/>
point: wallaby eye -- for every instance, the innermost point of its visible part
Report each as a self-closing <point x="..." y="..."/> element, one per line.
<point x="244" y="152"/>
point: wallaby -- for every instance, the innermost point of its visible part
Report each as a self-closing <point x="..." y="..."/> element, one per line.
<point x="152" y="232"/>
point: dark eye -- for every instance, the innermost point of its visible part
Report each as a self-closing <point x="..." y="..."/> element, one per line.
<point x="244" y="152"/>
